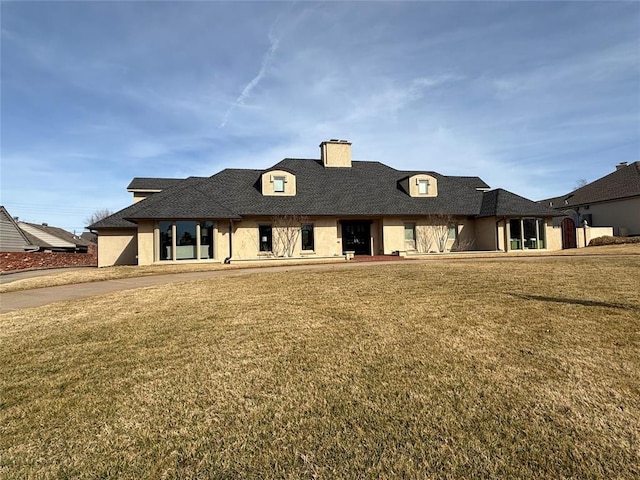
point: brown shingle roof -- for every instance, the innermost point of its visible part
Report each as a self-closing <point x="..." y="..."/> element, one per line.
<point x="623" y="183"/>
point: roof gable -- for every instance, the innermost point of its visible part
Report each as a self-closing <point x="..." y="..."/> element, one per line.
<point x="12" y="238"/>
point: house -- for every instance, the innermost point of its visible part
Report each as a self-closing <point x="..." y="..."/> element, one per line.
<point x="53" y="239"/>
<point x="318" y="208"/>
<point x="610" y="201"/>
<point x="12" y="238"/>
<point x="18" y="236"/>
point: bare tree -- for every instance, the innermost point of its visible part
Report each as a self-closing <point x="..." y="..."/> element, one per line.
<point x="97" y="216"/>
<point x="581" y="182"/>
<point x="286" y="230"/>
<point x="463" y="245"/>
<point x="435" y="234"/>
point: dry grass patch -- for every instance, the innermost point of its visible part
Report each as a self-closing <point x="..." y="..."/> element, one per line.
<point x="119" y="272"/>
<point x="436" y="369"/>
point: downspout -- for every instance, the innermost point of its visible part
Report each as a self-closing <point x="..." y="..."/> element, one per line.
<point x="228" y="259"/>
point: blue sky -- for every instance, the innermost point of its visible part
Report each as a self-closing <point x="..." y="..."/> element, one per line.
<point x="530" y="96"/>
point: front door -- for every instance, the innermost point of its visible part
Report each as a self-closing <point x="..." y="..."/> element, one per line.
<point x="356" y="237"/>
<point x="568" y="233"/>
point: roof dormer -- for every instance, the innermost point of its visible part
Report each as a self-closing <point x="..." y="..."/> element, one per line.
<point x="278" y="183"/>
<point x="420" y="185"/>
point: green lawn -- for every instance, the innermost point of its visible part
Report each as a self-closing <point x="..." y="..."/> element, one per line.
<point x="440" y="369"/>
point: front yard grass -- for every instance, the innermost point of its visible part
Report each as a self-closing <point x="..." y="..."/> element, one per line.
<point x="492" y="369"/>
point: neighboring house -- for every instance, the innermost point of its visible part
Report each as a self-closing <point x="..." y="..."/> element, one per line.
<point x="53" y="239"/>
<point x="610" y="201"/>
<point x="12" y="238"/>
<point x="17" y="236"/>
<point x="318" y="208"/>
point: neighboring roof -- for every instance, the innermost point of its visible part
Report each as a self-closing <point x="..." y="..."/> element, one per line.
<point x="152" y="184"/>
<point x="366" y="188"/>
<point x="89" y="237"/>
<point x="51" y="237"/>
<point x="502" y="203"/>
<point x="12" y="238"/>
<point x="623" y="183"/>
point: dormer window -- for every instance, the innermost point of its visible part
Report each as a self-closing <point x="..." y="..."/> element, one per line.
<point x="420" y="185"/>
<point x="278" y="184"/>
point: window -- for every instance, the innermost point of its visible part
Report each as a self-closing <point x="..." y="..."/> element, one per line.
<point x="410" y="236"/>
<point x="526" y="233"/>
<point x="186" y="238"/>
<point x="278" y="184"/>
<point x="179" y="240"/>
<point x="423" y="187"/>
<point x="206" y="239"/>
<point x="166" y="240"/>
<point x="307" y="237"/>
<point x="452" y="232"/>
<point x="264" y="238"/>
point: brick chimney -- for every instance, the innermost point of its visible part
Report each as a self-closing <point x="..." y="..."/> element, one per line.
<point x="336" y="153"/>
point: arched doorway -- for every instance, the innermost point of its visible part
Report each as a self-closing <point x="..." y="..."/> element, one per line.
<point x="568" y="233"/>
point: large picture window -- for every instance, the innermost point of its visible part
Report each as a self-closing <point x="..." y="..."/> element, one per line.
<point x="307" y="237"/>
<point x="265" y="238"/>
<point x="185" y="240"/>
<point x="527" y="233"/>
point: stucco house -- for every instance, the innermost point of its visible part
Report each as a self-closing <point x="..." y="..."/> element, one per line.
<point x="610" y="201"/>
<point x="318" y="208"/>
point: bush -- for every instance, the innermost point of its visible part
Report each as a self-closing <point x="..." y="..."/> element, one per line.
<point x="608" y="240"/>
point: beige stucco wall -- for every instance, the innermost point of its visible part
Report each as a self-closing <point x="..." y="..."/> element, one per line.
<point x="466" y="235"/>
<point x="485" y="233"/>
<point x="554" y="236"/>
<point x="393" y="234"/>
<point x="623" y="215"/>
<point x="246" y="242"/>
<point x="117" y="247"/>
<point x="432" y="190"/>
<point x="335" y="154"/>
<point x="268" y="184"/>
<point x="585" y="235"/>
<point x="146" y="242"/>
<point x="137" y="196"/>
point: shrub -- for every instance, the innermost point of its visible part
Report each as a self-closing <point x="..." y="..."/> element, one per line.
<point x="608" y="240"/>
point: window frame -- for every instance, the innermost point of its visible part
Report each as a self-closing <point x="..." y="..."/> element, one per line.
<point x="423" y="183"/>
<point x="410" y="244"/>
<point x="313" y="240"/>
<point x="267" y="229"/>
<point x="167" y="244"/>
<point x="277" y="181"/>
